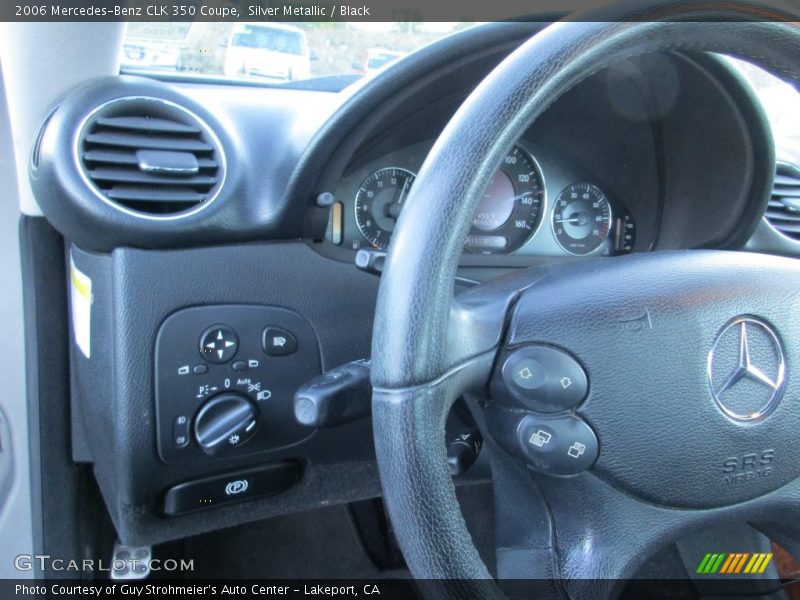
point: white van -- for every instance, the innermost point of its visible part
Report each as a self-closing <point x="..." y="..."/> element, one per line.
<point x="268" y="50"/>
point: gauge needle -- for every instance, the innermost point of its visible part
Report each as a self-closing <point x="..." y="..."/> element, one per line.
<point x="393" y="209"/>
<point x="403" y="191"/>
<point x="577" y="218"/>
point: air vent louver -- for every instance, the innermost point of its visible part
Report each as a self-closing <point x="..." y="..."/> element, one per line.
<point x="150" y="156"/>
<point x="783" y="211"/>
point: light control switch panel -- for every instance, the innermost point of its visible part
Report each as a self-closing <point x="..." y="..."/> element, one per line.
<point x="220" y="390"/>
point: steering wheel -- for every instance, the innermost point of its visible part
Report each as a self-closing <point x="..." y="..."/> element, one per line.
<point x="690" y="414"/>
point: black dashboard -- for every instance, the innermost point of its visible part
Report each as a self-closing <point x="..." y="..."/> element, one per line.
<point x="663" y="152"/>
<point x="611" y="168"/>
<point x="582" y="181"/>
<point x="614" y="166"/>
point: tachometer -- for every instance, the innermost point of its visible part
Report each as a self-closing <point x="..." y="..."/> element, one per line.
<point x="378" y="203"/>
<point x="511" y="209"/>
<point x="581" y="218"/>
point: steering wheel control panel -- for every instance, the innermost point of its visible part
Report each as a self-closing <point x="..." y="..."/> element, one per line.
<point x="544" y="379"/>
<point x="225" y="379"/>
<point x="552" y="439"/>
<point x="560" y="445"/>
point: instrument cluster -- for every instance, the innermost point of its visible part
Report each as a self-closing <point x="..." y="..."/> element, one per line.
<point x="529" y="207"/>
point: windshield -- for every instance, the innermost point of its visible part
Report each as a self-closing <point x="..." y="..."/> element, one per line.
<point x="272" y="53"/>
<point x="285" y="53"/>
<point x="780" y="100"/>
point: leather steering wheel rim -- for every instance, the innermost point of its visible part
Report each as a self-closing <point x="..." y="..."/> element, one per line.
<point x="418" y="359"/>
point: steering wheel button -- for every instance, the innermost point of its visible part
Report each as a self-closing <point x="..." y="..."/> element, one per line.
<point x="557" y="445"/>
<point x="544" y="379"/>
<point x="528" y="374"/>
<point x="540" y="439"/>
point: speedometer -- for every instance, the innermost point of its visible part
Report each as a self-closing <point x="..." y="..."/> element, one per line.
<point x="511" y="210"/>
<point x="581" y="218"/>
<point x="507" y="216"/>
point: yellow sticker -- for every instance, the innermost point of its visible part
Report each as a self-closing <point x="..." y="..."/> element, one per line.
<point x="81" y="308"/>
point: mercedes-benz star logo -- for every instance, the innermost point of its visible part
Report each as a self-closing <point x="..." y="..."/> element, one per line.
<point x="747" y="369"/>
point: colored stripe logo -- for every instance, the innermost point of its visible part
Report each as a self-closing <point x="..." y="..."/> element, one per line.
<point x="724" y="563"/>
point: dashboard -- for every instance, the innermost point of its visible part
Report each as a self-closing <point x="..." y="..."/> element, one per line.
<point x="534" y="205"/>
<point x="239" y="244"/>
<point x="582" y="181"/>
<point x="609" y="169"/>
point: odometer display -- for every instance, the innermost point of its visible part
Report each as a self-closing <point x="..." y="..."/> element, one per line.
<point x="511" y="210"/>
<point x="581" y="218"/>
<point x="378" y="203"/>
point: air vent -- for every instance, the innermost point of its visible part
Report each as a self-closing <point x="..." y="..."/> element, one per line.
<point x="783" y="211"/>
<point x="150" y="157"/>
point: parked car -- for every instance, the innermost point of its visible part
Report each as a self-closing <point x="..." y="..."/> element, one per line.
<point x="148" y="54"/>
<point x="273" y="51"/>
<point x="154" y="47"/>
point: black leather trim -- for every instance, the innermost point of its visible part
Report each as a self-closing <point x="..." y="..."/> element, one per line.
<point x="415" y="476"/>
